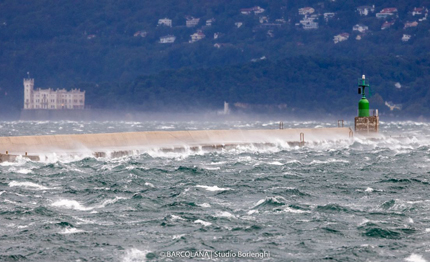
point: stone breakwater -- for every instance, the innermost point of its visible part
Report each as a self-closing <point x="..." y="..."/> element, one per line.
<point x="121" y="142"/>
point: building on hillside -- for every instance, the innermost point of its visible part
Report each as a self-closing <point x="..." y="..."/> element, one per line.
<point x="140" y="33"/>
<point x="220" y="45"/>
<point x="406" y="38"/>
<point x="360" y="28"/>
<point x="263" y="19"/>
<point x="255" y="10"/>
<point x="387" y="25"/>
<point x="191" y="21"/>
<point x="52" y="99"/>
<point x="328" y="16"/>
<point x="386" y="12"/>
<point x="209" y="22"/>
<point x="197" y="36"/>
<point x="165" y="21"/>
<point x="310" y="25"/>
<point x="365" y="9"/>
<point x="418" y="11"/>
<point x="168" y="39"/>
<point x="340" y="37"/>
<point x="306" y="11"/>
<point x="410" y="24"/>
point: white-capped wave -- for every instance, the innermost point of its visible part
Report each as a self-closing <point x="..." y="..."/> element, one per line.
<point x="330" y="160"/>
<point x="212" y="168"/>
<point x="178" y="236"/>
<point x="27" y="184"/>
<point x="213" y="188"/>
<point x="174" y="218"/>
<point x="204" y="223"/>
<point x="110" y="201"/>
<point x="71" y="231"/>
<point x="415" y="258"/>
<point x="204" y="205"/>
<point x="225" y="214"/>
<point x="73" y="204"/>
<point x="149" y="184"/>
<point x="135" y="255"/>
<point x="70" y="204"/>
<point x="24" y="171"/>
<point x="292" y="210"/>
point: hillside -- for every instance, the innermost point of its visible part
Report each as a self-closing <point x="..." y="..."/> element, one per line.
<point x="297" y="85"/>
<point x="69" y="43"/>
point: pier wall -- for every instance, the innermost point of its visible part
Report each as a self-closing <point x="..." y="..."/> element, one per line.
<point x="34" y="145"/>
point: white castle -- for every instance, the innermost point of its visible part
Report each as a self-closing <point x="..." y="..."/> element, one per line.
<point x="50" y="99"/>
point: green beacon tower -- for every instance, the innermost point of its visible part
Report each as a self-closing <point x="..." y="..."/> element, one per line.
<point x="365" y="122"/>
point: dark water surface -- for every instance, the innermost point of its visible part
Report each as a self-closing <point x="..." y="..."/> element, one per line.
<point x="360" y="200"/>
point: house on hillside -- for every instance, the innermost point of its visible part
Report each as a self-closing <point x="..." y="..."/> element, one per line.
<point x="410" y="24"/>
<point x="386" y="12"/>
<point x="168" y="39"/>
<point x="258" y="10"/>
<point x="191" y="21"/>
<point x="165" y="21"/>
<point x="328" y="16"/>
<point x="309" y="23"/>
<point x="365" y="9"/>
<point x="360" y="28"/>
<point x="418" y="11"/>
<point x="263" y="19"/>
<point x="340" y="37"/>
<point x="387" y="25"/>
<point x="219" y="45"/>
<point x="406" y="38"/>
<point x="306" y="11"/>
<point x="197" y="36"/>
<point x="255" y="10"/>
<point x="210" y="21"/>
<point x="140" y="33"/>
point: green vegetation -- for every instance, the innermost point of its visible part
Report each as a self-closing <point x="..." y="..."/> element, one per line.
<point x="305" y="84"/>
<point x="303" y="68"/>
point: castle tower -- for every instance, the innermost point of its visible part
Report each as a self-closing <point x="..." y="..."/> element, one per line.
<point x="28" y="93"/>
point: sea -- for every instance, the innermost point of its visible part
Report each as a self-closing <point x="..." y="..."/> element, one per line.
<point x="355" y="200"/>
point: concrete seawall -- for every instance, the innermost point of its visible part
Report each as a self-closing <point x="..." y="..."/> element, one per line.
<point x="35" y="145"/>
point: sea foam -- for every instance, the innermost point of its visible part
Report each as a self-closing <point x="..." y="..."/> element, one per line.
<point x="27" y="184"/>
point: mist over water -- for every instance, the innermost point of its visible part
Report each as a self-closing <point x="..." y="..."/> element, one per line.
<point x="358" y="200"/>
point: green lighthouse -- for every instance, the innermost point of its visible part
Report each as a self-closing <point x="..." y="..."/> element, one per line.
<point x="367" y="120"/>
<point x="363" y="105"/>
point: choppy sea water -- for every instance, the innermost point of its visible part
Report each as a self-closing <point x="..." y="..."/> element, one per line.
<point x="360" y="200"/>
